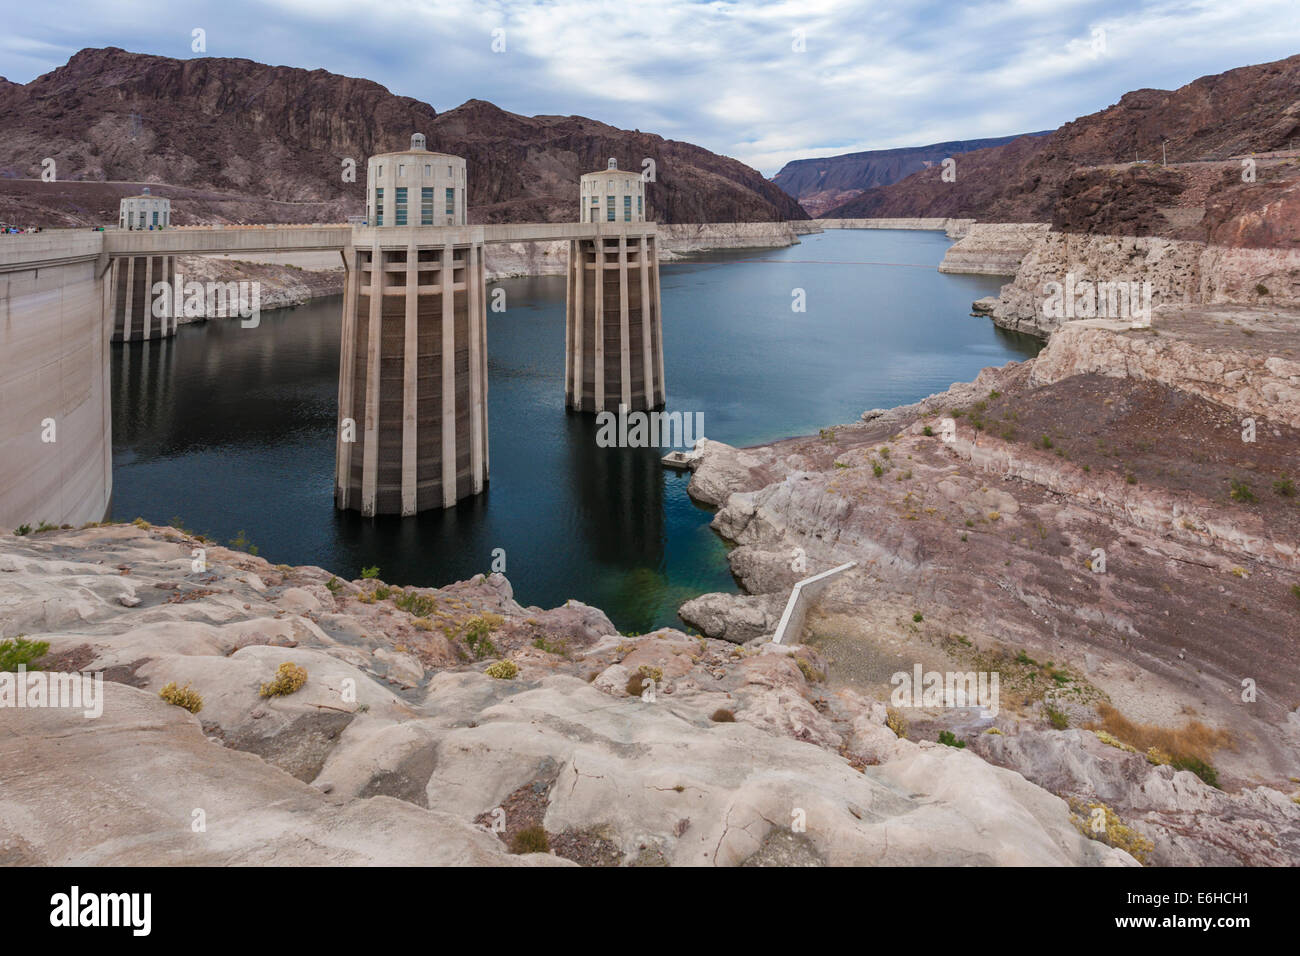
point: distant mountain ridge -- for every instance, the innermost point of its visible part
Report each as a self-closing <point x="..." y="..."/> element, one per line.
<point x="820" y="184"/>
<point x="244" y="130"/>
<point x="1083" y="178"/>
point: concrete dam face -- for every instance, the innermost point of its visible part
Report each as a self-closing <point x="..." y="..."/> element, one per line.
<point x="56" y="436"/>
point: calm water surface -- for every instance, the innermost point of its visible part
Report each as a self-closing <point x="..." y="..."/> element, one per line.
<point x="232" y="429"/>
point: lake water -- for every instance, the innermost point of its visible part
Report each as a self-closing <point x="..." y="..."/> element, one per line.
<point x="232" y="429"/>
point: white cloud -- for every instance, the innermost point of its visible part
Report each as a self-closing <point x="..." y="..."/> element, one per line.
<point x="719" y="74"/>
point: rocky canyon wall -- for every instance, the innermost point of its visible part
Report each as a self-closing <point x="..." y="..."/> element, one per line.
<point x="1179" y="272"/>
<point x="992" y="248"/>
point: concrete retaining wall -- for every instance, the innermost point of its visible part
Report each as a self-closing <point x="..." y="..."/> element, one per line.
<point x="802" y="595"/>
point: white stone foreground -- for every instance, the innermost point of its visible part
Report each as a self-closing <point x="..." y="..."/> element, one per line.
<point x="403" y="769"/>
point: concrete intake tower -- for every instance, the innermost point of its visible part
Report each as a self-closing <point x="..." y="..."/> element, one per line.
<point x="413" y="365"/>
<point x="133" y="278"/>
<point x="613" y="328"/>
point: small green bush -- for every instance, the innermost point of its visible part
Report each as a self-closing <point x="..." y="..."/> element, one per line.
<point x="917" y="617"/>
<point x="1285" y="487"/>
<point x="559" y="648"/>
<point x="335" y="585"/>
<point x="182" y="697"/>
<point x="477" y="634"/>
<point x="1241" y="492"/>
<point x="503" y="670"/>
<point x="948" y="739"/>
<point x="421" y="605"/>
<point x="1197" y="766"/>
<point x="1058" y="718"/>
<point x="370" y="574"/>
<point x="289" y="677"/>
<point x="18" y="651"/>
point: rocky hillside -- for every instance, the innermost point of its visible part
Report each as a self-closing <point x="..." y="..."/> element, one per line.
<point x="240" y="130"/>
<point x="1082" y="177"/>
<point x="1093" y="530"/>
<point x="822" y="184"/>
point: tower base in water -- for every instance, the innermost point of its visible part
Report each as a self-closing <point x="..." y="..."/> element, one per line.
<point x="613" y="328"/>
<point x="132" y="281"/>
<point x="412" y="371"/>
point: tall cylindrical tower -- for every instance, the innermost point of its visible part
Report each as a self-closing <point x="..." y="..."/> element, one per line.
<point x="132" y="279"/>
<point x="613" y="327"/>
<point x="413" y="364"/>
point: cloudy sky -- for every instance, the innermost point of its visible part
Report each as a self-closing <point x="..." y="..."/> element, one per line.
<point x="765" y="82"/>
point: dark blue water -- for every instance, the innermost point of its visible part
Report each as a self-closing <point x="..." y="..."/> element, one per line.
<point x="232" y="429"/>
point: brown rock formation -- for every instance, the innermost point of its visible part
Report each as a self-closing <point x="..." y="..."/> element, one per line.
<point x="245" y="130"/>
<point x="1074" y="178"/>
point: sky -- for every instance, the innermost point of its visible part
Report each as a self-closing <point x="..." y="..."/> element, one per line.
<point x="764" y="82"/>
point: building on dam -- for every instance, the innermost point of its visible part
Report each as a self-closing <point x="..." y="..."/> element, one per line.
<point x="413" y="364"/>
<point x="613" y="327"/>
<point x="132" y="279"/>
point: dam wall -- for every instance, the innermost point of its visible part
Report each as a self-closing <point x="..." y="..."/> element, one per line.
<point x="55" y="432"/>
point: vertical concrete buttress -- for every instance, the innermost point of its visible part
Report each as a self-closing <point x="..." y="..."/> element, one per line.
<point x="131" y="281"/>
<point x="412" y="373"/>
<point x="613" y="326"/>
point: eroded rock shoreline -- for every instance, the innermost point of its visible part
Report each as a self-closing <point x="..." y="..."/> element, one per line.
<point x="978" y="554"/>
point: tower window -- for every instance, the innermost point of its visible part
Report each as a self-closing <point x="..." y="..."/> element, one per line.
<point x="451" y="201"/>
<point x="639" y="212"/>
<point x="428" y="169"/>
<point x="609" y="208"/>
<point x="426" y="206"/>
<point x="400" y="218"/>
<point x="379" y="205"/>
<point x="401" y="170"/>
<point x="627" y="208"/>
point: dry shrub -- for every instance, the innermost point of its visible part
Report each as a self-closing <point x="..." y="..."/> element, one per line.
<point x="530" y="840"/>
<point x="185" y="697"/>
<point x="288" y="678"/>
<point x="1192" y="741"/>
